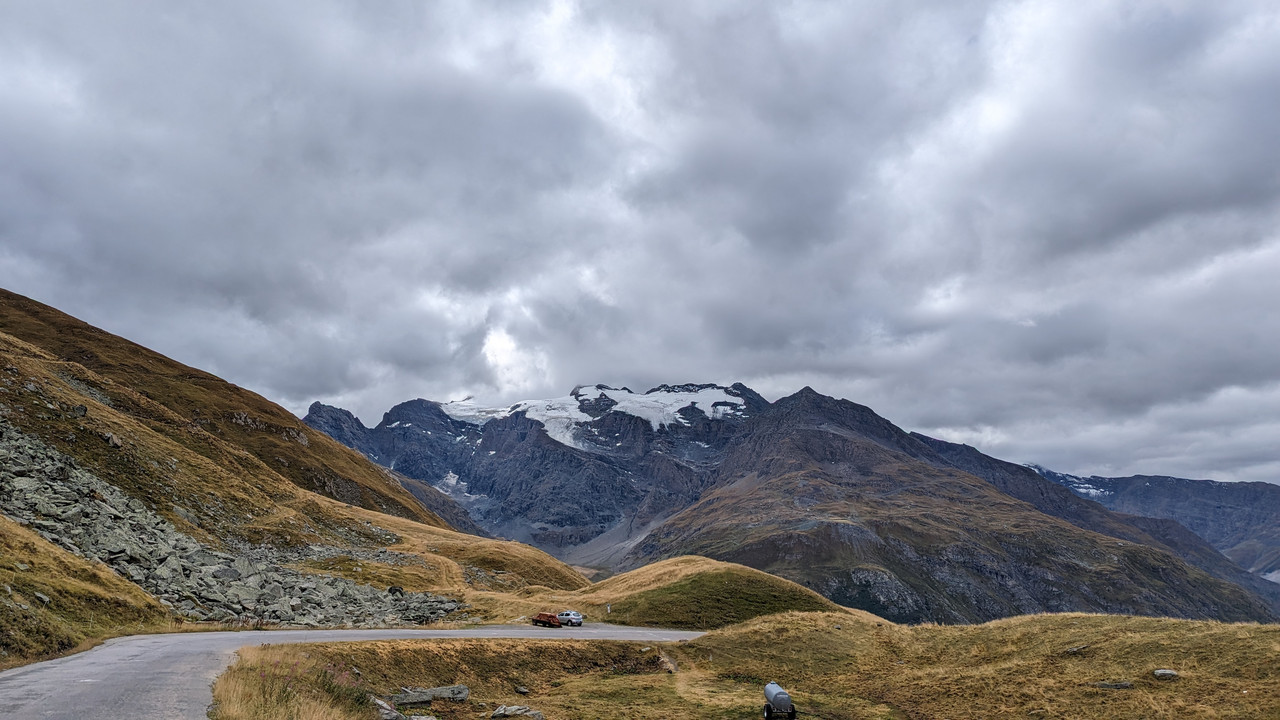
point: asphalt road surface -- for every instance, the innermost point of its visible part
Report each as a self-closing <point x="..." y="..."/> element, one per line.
<point x="168" y="677"/>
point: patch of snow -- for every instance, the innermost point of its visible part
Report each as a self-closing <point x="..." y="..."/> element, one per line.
<point x="661" y="407"/>
<point x="1272" y="576"/>
<point x="394" y="424"/>
<point x="467" y="411"/>
<point x="452" y="486"/>
<point x="559" y="416"/>
<point x="1091" y="491"/>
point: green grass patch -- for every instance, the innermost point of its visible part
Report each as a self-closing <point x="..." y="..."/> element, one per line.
<point x="716" y="599"/>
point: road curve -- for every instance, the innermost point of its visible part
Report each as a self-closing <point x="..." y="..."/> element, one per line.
<point x="168" y="677"/>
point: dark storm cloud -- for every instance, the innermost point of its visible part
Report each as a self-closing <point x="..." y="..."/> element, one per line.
<point x="1046" y="228"/>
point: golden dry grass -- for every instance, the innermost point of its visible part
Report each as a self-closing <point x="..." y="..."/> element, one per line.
<point x="276" y="682"/>
<point x="690" y="591"/>
<point x="87" y="602"/>
<point x="841" y="665"/>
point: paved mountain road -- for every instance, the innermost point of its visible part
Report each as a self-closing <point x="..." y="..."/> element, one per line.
<point x="168" y="677"/>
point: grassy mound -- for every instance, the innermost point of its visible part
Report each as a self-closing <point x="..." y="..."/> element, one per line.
<point x="700" y="594"/>
<point x="686" y="592"/>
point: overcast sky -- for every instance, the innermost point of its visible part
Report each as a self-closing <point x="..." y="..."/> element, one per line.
<point x="1047" y="229"/>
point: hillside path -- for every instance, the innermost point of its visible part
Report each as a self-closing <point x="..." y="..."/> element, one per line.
<point x="168" y="677"/>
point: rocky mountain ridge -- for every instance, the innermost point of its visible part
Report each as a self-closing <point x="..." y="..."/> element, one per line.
<point x="1026" y="484"/>
<point x="820" y="491"/>
<point x="1241" y="520"/>
<point x="580" y="476"/>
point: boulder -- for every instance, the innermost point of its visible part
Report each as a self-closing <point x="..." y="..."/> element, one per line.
<point x="1114" y="685"/>
<point x="410" y="697"/>
<point x="524" y="711"/>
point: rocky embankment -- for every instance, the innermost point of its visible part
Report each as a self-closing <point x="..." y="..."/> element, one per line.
<point x="46" y="491"/>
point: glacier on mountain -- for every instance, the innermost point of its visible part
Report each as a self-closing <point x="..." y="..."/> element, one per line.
<point x="560" y="416"/>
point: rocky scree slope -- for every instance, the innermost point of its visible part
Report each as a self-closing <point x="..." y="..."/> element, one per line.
<point x="1240" y="519"/>
<point x="1027" y="485"/>
<point x="48" y="492"/>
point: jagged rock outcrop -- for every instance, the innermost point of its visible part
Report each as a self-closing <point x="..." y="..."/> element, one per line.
<point x="47" y="491"/>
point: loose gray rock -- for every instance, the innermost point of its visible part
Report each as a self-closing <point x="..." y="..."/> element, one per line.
<point x="1163" y="674"/>
<point x="70" y="507"/>
<point x="385" y="711"/>
<point x="410" y="696"/>
<point x="522" y="690"/>
<point x="524" y="711"/>
<point x="1115" y="685"/>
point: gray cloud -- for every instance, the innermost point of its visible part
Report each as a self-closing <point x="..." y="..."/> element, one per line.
<point x="1045" y="228"/>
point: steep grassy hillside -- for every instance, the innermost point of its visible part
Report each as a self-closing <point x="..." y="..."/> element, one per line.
<point x="174" y="421"/>
<point x="216" y="464"/>
<point x="836" y="666"/>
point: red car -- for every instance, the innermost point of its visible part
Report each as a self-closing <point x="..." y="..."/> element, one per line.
<point x="546" y="619"/>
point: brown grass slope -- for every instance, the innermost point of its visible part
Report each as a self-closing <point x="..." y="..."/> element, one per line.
<point x="836" y="666"/>
<point x="204" y="414"/>
<point x="827" y="494"/>
<point x="223" y="464"/>
<point x="685" y="592"/>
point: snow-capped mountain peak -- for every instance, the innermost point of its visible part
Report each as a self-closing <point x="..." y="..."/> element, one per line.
<point x="662" y="406"/>
<point x="1095" y="488"/>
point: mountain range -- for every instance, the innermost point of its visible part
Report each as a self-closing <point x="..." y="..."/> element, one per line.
<point x="821" y="491"/>
<point x="1241" y="519"/>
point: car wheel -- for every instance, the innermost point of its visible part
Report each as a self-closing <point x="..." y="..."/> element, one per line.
<point x="768" y="712"/>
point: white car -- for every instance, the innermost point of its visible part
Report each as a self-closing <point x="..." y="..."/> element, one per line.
<point x="570" y="617"/>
